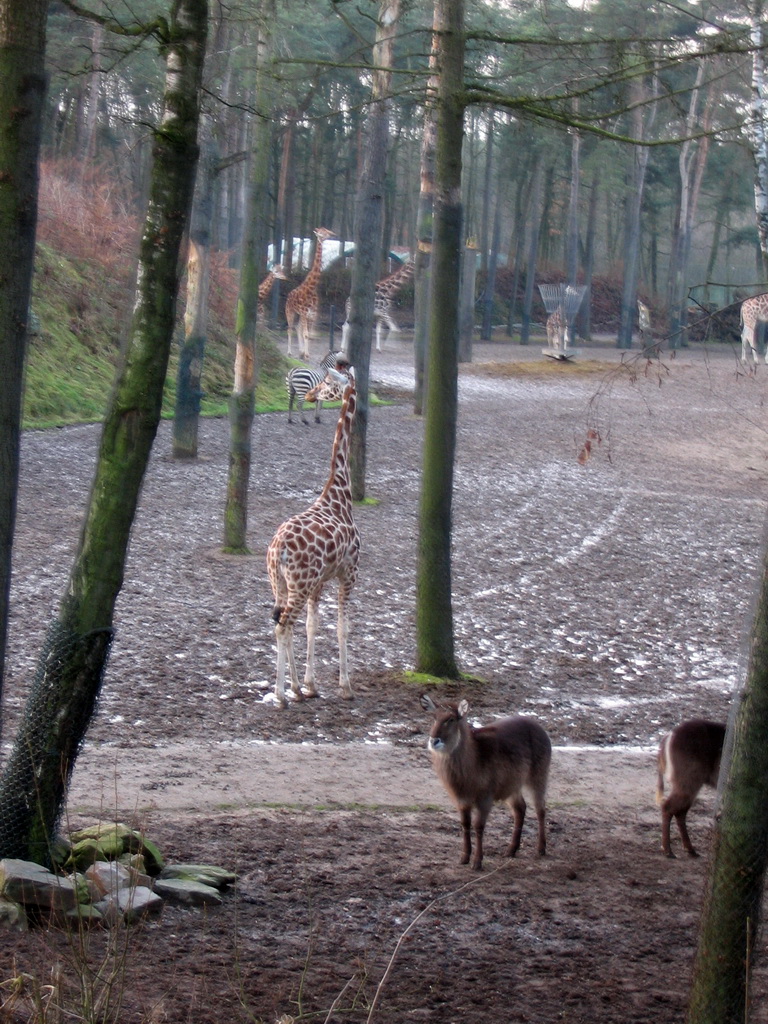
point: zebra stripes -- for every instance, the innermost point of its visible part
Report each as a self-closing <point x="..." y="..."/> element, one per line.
<point x="302" y="379"/>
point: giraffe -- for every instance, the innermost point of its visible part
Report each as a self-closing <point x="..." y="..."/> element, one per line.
<point x="301" y="303"/>
<point x="265" y="288"/>
<point x="384" y="294"/>
<point x="754" y="311"/>
<point x="309" y="549"/>
<point x="557" y="331"/>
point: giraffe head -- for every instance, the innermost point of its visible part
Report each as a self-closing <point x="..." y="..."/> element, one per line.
<point x="323" y="234"/>
<point x="331" y="388"/>
<point x="279" y="272"/>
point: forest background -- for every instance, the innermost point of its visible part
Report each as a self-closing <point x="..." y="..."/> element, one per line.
<point x="543" y="201"/>
<point x="597" y="143"/>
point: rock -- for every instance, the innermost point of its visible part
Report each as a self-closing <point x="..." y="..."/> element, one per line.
<point x="138" y="903"/>
<point x="181" y="890"/>
<point x="24" y="882"/>
<point x="218" y="878"/>
<point x="108" y="876"/>
<point x="86" y="914"/>
<point x="83" y="853"/>
<point x="12" y="917"/>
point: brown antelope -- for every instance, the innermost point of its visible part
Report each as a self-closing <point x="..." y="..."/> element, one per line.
<point x="689" y="758"/>
<point x="479" y="766"/>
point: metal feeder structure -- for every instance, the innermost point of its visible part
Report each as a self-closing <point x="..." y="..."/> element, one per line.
<point x="564" y="299"/>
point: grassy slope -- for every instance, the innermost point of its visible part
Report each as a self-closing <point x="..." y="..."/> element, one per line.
<point x="83" y="311"/>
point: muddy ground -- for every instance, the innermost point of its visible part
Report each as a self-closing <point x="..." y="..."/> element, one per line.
<point x="610" y="599"/>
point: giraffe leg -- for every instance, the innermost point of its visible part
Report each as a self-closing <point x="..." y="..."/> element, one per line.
<point x="313" y="622"/>
<point x="303" y="333"/>
<point x="342" y="631"/>
<point x="285" y="659"/>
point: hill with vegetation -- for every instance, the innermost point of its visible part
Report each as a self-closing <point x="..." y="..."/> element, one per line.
<point x="81" y="308"/>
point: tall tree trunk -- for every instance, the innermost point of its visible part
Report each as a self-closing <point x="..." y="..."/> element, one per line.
<point x="534" y="230"/>
<point x="242" y="402"/>
<point x="572" y="235"/>
<point x="756" y="133"/>
<point x="424" y="213"/>
<point x="691" y="162"/>
<point x="70" y="669"/>
<point x="369" y="222"/>
<point x="186" y="417"/>
<point x="434" y="613"/>
<point x="730" y="922"/>
<point x="641" y="129"/>
<point x="22" y="92"/>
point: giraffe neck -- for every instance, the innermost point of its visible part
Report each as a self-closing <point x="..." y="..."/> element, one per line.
<point x="338" y="486"/>
<point x="265" y="286"/>
<point x="310" y="281"/>
<point x="392" y="284"/>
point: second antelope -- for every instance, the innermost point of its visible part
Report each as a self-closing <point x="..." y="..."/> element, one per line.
<point x="689" y="758"/>
<point x="479" y="766"/>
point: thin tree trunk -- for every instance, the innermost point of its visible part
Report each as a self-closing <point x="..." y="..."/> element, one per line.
<point x="22" y="92"/>
<point x="242" y="403"/>
<point x="424" y="213"/>
<point x="534" y="228"/>
<point x="71" y="666"/>
<point x="189" y="374"/>
<point x="434" y="613"/>
<point x="369" y="223"/>
<point x="756" y="132"/>
<point x="634" y="203"/>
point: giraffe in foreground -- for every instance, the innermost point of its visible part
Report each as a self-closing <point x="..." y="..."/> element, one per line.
<point x="301" y="303"/>
<point x="754" y="311"/>
<point x="308" y="550"/>
<point x="383" y="301"/>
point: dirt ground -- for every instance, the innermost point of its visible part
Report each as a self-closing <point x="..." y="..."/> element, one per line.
<point x="609" y="599"/>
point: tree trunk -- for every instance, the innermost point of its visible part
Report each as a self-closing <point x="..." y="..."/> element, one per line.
<point x="369" y="222"/>
<point x="189" y="375"/>
<point x="434" y="614"/>
<point x="424" y="213"/>
<point x="22" y="92"/>
<point x="242" y="403"/>
<point x="634" y="202"/>
<point x="756" y="133"/>
<point x="70" y="669"/>
<point x="189" y="393"/>
<point x="534" y="228"/>
<point x="691" y="162"/>
<point x="735" y="880"/>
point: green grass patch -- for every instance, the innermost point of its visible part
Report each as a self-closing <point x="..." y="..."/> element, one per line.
<point x="422" y="679"/>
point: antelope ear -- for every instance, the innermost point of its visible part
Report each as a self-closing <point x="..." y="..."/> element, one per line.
<point x="427" y="703"/>
<point x="463" y="708"/>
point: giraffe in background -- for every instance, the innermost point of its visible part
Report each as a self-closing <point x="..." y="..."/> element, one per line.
<point x="265" y="288"/>
<point x="301" y="303"/>
<point x="754" y="311"/>
<point x="308" y="550"/>
<point x="557" y="331"/>
<point x="383" y="301"/>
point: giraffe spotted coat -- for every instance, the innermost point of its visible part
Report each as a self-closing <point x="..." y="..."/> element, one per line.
<point x="754" y="311"/>
<point x="309" y="549"/>
<point x="301" y="303"/>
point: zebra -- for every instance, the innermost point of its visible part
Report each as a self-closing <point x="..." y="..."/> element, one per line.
<point x="302" y="379"/>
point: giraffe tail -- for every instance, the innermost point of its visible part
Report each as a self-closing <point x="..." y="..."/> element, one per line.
<point x="277" y="611"/>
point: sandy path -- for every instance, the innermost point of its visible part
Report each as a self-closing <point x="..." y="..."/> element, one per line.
<point x="229" y="776"/>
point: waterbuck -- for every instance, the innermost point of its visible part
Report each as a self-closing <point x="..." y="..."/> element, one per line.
<point x="689" y="758"/>
<point x="479" y="766"/>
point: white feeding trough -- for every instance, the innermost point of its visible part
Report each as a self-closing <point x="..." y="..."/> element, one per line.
<point x="561" y="302"/>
